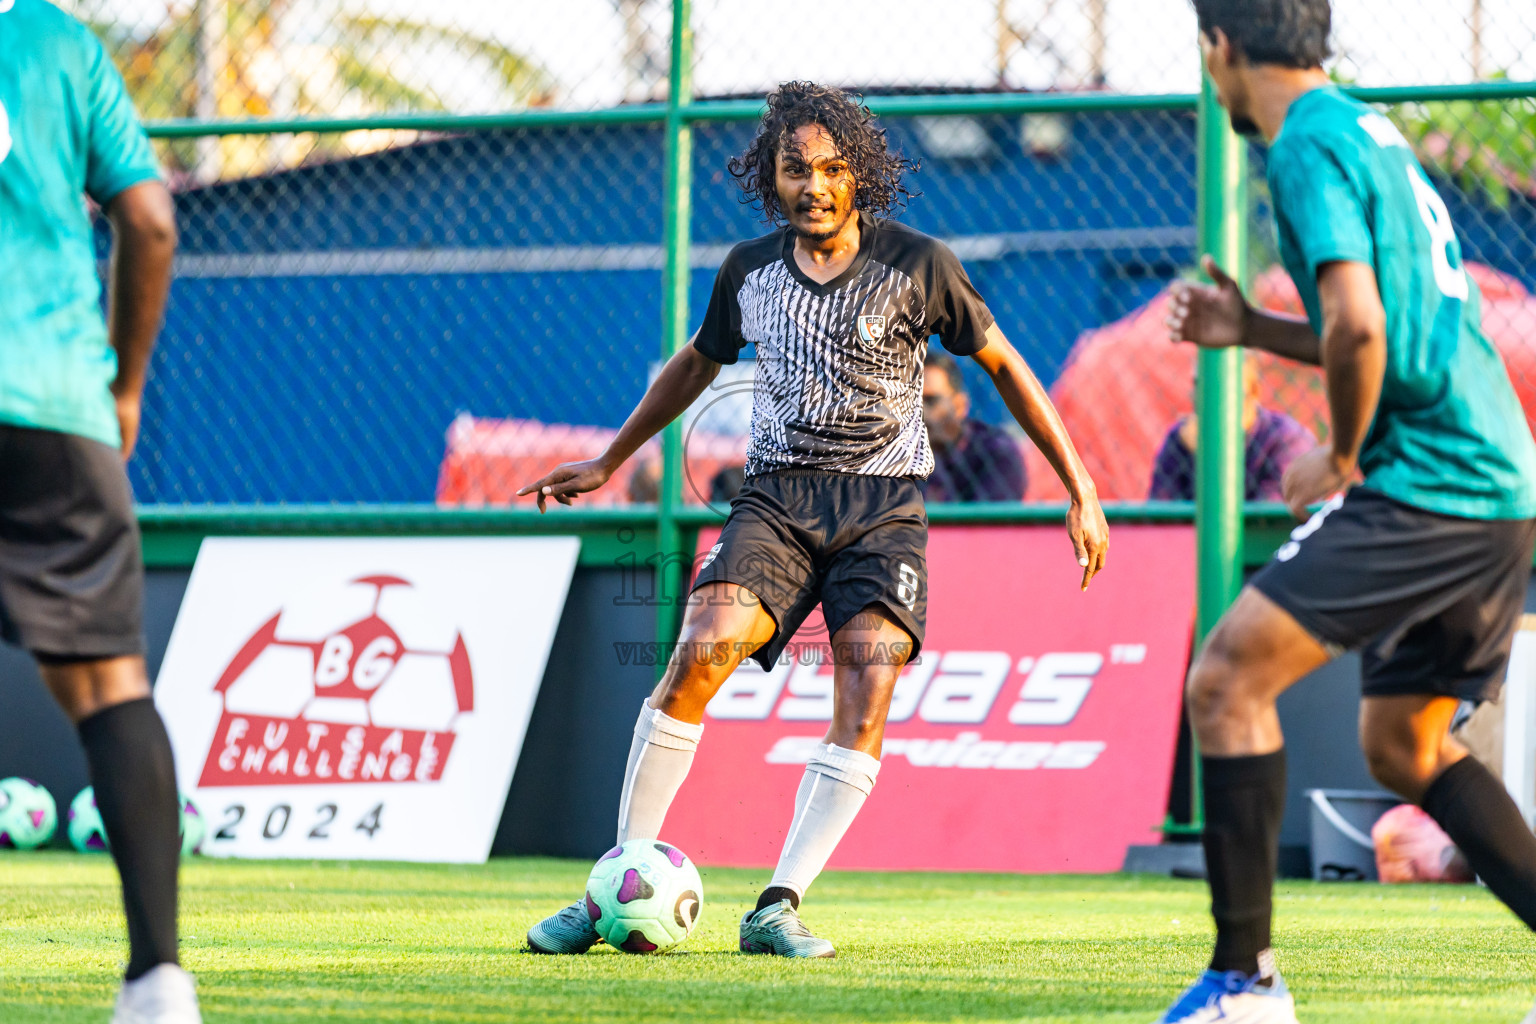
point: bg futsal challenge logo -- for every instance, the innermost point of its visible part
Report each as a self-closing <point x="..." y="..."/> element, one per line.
<point x="333" y="685"/>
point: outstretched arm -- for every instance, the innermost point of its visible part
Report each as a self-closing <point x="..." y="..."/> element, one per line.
<point x="1217" y="316"/>
<point x="1032" y="407"/>
<point x="682" y="380"/>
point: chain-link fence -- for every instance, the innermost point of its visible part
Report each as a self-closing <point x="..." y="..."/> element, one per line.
<point x="290" y="58"/>
<point x="443" y="308"/>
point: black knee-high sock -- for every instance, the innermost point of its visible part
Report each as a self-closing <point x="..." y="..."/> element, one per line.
<point x="1244" y="801"/>
<point x="135" y="779"/>
<point x="1477" y="813"/>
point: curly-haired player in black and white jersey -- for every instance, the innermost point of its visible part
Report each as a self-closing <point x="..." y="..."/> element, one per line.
<point x="840" y="304"/>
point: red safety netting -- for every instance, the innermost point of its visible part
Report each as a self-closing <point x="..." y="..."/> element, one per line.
<point x="1125" y="384"/>
<point x="488" y="460"/>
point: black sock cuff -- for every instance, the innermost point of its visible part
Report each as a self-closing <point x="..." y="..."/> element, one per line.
<point x="771" y="896"/>
<point x="1445" y="791"/>
<point x="1244" y="770"/>
<point x="94" y="724"/>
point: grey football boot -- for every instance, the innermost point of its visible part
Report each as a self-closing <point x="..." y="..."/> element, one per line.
<point x="569" y="931"/>
<point x="778" y="931"/>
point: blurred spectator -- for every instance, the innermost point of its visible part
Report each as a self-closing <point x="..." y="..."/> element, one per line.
<point x="973" y="461"/>
<point x="645" y="482"/>
<point x="726" y="483"/>
<point x="1274" y="440"/>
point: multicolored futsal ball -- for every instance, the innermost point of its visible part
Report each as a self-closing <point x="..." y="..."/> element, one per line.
<point x="28" y="815"/>
<point x="644" y="896"/>
<point x="194" y="827"/>
<point x="86" y="831"/>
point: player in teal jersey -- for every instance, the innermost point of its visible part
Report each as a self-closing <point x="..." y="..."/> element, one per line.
<point x="71" y="574"/>
<point x="1423" y="565"/>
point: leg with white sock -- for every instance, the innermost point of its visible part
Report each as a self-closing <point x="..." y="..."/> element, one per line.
<point x="837" y="781"/>
<point x="659" y="758"/>
<point x="724" y="623"/>
<point x="870" y="651"/>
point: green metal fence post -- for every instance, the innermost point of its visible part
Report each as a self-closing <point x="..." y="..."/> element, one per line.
<point x="1219" y="464"/>
<point x="674" y="319"/>
<point x="1223" y="230"/>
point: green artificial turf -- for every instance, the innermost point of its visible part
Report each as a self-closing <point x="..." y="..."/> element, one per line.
<point x="301" y="941"/>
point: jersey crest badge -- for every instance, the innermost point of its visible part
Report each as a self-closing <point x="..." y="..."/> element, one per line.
<point x="872" y="328"/>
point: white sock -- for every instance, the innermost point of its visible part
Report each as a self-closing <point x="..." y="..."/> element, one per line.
<point x="659" y="759"/>
<point x="834" y="787"/>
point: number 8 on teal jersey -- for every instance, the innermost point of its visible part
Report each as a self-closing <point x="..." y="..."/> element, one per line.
<point x="1449" y="435"/>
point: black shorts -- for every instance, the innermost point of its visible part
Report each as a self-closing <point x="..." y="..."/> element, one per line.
<point x="802" y="536"/>
<point x="71" y="569"/>
<point x="1430" y="601"/>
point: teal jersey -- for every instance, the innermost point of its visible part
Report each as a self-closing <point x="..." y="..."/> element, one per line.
<point x="67" y="131"/>
<point x="1449" y="435"/>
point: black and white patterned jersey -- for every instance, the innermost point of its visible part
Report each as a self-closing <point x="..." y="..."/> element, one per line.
<point x="839" y="383"/>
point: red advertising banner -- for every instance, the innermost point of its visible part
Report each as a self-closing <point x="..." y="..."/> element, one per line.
<point x="1035" y="733"/>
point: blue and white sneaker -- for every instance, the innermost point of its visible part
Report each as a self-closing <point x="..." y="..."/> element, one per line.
<point x="1233" y="997"/>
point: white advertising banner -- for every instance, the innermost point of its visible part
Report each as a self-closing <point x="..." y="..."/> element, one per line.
<point x="359" y="698"/>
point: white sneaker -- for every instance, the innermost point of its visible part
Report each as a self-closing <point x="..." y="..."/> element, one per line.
<point x="164" y="995"/>
<point x="1530" y="1018"/>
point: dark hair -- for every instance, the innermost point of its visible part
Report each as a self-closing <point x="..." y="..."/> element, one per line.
<point x="876" y="171"/>
<point x="1290" y="33"/>
<point x="948" y="366"/>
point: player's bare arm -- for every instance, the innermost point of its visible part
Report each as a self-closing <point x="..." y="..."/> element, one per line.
<point x="143" y="222"/>
<point x="682" y="380"/>
<point x="1031" y="406"/>
<point x="1218" y="316"/>
<point x="1354" y="363"/>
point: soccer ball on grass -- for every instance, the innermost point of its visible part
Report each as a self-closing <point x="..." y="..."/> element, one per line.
<point x="28" y="815"/>
<point x="87" y="833"/>
<point x="194" y="827"/>
<point x="644" y="896"/>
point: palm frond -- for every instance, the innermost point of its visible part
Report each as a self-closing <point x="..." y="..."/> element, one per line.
<point x="1488" y="148"/>
<point x="380" y="86"/>
<point x="523" y="78"/>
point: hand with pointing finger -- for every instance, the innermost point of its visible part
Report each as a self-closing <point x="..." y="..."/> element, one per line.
<point x="566" y="481"/>
<point x="1090" y="536"/>
<point x="1211" y="316"/>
